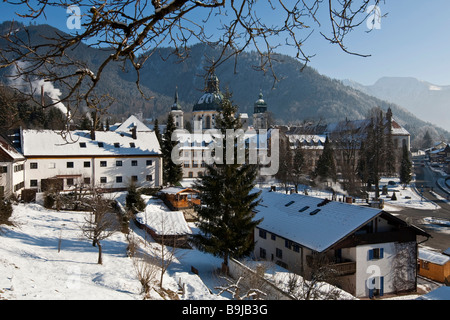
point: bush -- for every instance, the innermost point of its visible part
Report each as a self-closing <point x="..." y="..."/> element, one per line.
<point x="6" y="210"/>
<point x="133" y="200"/>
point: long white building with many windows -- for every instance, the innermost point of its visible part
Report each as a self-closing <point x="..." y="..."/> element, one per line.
<point x="104" y="159"/>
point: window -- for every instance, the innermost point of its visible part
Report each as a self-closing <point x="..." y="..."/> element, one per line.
<point x="70" y="181"/>
<point x="149" y="177"/>
<point x="262" y="253"/>
<point x="134" y="163"/>
<point x="119" y="179"/>
<point x="149" y="162"/>
<point x="194" y="164"/>
<point x="102" y="163"/>
<point x="116" y="145"/>
<point x="287" y="244"/>
<point x="296" y="248"/>
<point x="82" y="144"/>
<point x="190" y="174"/>
<point x="314" y="212"/>
<point x="103" y="180"/>
<point x="100" y="144"/>
<point x="3" y="169"/>
<point x="119" y="163"/>
<point x="376" y="253"/>
<point x="262" y="234"/>
<point x="87" y="180"/>
<point x="134" y="178"/>
<point x="424" y="265"/>
<point x="33" y="183"/>
<point x="33" y="165"/>
<point x="279" y="253"/>
<point x="273" y="237"/>
<point x="186" y="164"/>
<point x="87" y="164"/>
<point x="132" y="145"/>
<point x="69" y="164"/>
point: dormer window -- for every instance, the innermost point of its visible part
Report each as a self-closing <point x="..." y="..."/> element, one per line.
<point x="116" y="145"/>
<point x="100" y="144"/>
<point x="132" y="145"/>
<point x="82" y="144"/>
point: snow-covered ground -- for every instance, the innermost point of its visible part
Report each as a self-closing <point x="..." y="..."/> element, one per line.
<point x="45" y="257"/>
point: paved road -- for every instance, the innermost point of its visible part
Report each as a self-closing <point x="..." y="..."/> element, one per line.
<point x="440" y="234"/>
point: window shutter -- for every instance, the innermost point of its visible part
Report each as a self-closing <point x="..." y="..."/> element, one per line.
<point x="381" y="253"/>
<point x="381" y="286"/>
<point x="370" y="254"/>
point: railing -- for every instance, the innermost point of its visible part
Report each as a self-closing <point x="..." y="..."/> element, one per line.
<point x="345" y="268"/>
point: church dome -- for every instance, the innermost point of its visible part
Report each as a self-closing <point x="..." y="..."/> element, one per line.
<point x="260" y="105"/>
<point x="212" y="98"/>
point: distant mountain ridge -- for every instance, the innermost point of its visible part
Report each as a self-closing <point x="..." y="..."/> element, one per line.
<point x="297" y="96"/>
<point x="427" y="101"/>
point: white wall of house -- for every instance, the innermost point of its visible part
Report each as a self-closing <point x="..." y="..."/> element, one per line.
<point x="382" y="269"/>
<point x="106" y="172"/>
<point x="12" y="181"/>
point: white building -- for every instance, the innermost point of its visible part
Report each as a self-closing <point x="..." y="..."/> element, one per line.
<point x="12" y="164"/>
<point x="364" y="246"/>
<point x="106" y="159"/>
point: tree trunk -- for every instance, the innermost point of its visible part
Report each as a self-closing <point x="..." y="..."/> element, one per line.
<point x="99" y="253"/>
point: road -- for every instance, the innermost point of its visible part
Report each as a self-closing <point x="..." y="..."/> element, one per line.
<point x="440" y="235"/>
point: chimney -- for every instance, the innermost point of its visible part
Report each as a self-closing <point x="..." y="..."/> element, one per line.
<point x="134" y="133"/>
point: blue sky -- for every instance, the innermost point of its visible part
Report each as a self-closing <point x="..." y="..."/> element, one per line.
<point x="414" y="41"/>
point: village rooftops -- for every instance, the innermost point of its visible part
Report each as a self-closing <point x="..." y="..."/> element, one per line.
<point x="309" y="221"/>
<point x="48" y="143"/>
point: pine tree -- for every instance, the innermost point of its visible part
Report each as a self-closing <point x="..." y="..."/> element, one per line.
<point x="172" y="172"/>
<point x="406" y="167"/>
<point x="226" y="217"/>
<point x="157" y="132"/>
<point x="326" y="168"/>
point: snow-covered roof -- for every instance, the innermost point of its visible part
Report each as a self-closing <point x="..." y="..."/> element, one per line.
<point x="433" y="257"/>
<point x="79" y="143"/>
<point x="294" y="217"/>
<point x="162" y="220"/>
<point x="176" y="190"/>
<point x="440" y="293"/>
<point x="131" y="122"/>
<point x="10" y="151"/>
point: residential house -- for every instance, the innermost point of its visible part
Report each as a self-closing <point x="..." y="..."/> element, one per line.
<point x="365" y="247"/>
<point x="12" y="164"/>
<point x="434" y="265"/>
<point x="178" y="198"/>
<point x="105" y="159"/>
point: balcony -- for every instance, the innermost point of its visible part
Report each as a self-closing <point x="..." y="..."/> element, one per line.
<point x="344" y="268"/>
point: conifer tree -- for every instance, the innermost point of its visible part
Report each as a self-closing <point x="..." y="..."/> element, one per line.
<point x="326" y="168"/>
<point x="405" y="167"/>
<point x="172" y="172"/>
<point x="157" y="132"/>
<point x="226" y="217"/>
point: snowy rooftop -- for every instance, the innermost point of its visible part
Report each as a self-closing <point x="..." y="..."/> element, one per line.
<point x="10" y="151"/>
<point x="433" y="257"/>
<point x="131" y="122"/>
<point x="79" y="143"/>
<point x="300" y="219"/>
<point x="162" y="220"/>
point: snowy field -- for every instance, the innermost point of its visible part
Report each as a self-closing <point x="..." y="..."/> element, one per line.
<point x="45" y="257"/>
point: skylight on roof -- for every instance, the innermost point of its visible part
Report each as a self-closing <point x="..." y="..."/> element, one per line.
<point x="132" y="145"/>
<point x="289" y="203"/>
<point x="82" y="144"/>
<point x="100" y="144"/>
<point x="303" y="209"/>
<point x="314" y="212"/>
<point x="116" y="145"/>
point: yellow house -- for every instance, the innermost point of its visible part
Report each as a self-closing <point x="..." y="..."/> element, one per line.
<point x="434" y="265"/>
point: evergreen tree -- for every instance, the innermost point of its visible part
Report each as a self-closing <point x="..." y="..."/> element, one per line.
<point x="406" y="167"/>
<point x="157" y="132"/>
<point x="133" y="200"/>
<point x="172" y="172"/>
<point x="226" y="217"/>
<point x="326" y="168"/>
